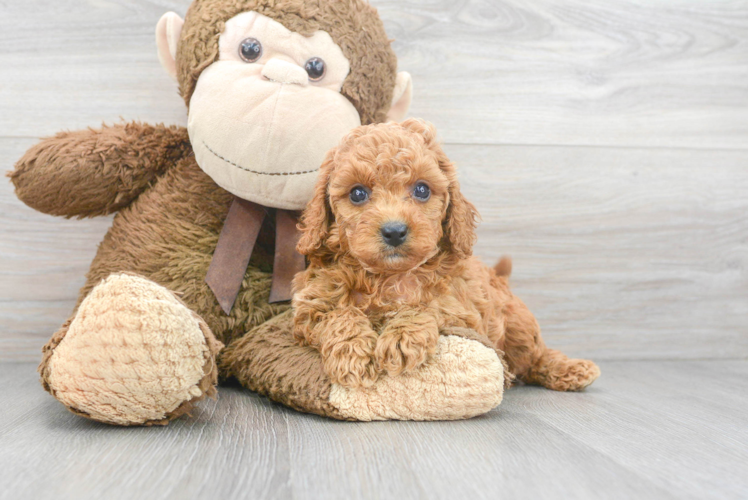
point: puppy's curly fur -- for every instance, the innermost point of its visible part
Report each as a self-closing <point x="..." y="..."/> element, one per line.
<point x="371" y="306"/>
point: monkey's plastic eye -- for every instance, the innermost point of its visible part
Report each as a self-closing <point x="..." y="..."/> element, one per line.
<point x="422" y="192"/>
<point x="358" y="195"/>
<point x="250" y="50"/>
<point x="315" y="68"/>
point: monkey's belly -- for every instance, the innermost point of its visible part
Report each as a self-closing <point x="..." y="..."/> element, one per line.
<point x="168" y="235"/>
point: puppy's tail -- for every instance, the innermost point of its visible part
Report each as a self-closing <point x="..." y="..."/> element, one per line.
<point x="504" y="267"/>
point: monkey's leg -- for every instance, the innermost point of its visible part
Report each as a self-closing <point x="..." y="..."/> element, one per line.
<point x="133" y="354"/>
<point x="531" y="361"/>
<point x="464" y="378"/>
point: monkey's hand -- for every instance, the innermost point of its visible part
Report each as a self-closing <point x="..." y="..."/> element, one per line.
<point x="96" y="172"/>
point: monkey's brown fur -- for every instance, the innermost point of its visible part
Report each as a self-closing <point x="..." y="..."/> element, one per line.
<point x="170" y="213"/>
<point x="353" y="25"/>
<point x="369" y="307"/>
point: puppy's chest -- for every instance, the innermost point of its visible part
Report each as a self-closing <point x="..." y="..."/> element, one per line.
<point x="382" y="300"/>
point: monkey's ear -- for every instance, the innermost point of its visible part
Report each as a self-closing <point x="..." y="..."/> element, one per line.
<point x="401" y="97"/>
<point x="168" y="31"/>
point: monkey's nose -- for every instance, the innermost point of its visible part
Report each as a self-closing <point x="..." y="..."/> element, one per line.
<point x="394" y="233"/>
<point x="282" y="71"/>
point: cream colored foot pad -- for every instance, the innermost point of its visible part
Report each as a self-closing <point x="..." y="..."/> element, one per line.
<point x="463" y="380"/>
<point x="132" y="354"/>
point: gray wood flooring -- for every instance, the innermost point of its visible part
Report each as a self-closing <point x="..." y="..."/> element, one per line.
<point x="646" y="430"/>
<point x="606" y="146"/>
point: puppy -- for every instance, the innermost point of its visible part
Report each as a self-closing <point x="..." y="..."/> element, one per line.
<point x="389" y="239"/>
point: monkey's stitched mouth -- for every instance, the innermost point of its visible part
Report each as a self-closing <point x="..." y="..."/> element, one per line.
<point x="256" y="171"/>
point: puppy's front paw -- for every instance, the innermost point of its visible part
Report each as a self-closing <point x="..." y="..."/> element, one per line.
<point x="406" y="343"/>
<point x="350" y="363"/>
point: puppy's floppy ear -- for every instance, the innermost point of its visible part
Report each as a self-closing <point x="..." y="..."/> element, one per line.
<point x="317" y="217"/>
<point x="461" y="217"/>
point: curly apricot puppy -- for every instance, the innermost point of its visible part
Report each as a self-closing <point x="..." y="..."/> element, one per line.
<point x="389" y="239"/>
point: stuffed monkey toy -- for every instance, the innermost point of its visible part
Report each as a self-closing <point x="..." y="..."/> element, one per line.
<point x="192" y="282"/>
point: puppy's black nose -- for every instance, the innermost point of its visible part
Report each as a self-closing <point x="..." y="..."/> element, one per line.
<point x="394" y="233"/>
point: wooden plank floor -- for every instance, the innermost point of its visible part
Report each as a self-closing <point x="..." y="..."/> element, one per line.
<point x="667" y="73"/>
<point x="606" y="146"/>
<point x="647" y="430"/>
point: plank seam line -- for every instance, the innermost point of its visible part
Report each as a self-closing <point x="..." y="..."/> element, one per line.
<point x="595" y="146"/>
<point x="517" y="144"/>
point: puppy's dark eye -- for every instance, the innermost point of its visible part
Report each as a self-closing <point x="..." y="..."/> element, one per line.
<point x="250" y="50"/>
<point x="422" y="192"/>
<point x="359" y="195"/>
<point x="315" y="68"/>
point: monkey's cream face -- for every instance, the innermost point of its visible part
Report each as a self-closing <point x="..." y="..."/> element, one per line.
<point x="265" y="113"/>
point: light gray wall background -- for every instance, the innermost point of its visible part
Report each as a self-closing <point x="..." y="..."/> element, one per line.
<point x="605" y="144"/>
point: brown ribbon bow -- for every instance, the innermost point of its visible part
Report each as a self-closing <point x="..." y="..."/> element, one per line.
<point x="234" y="249"/>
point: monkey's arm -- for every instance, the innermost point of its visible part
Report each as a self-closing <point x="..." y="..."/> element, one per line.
<point x="96" y="171"/>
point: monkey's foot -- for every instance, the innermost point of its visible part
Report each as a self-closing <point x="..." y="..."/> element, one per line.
<point x="463" y="379"/>
<point x="133" y="354"/>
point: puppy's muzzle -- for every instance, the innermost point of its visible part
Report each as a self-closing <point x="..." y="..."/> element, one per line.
<point x="394" y="233"/>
